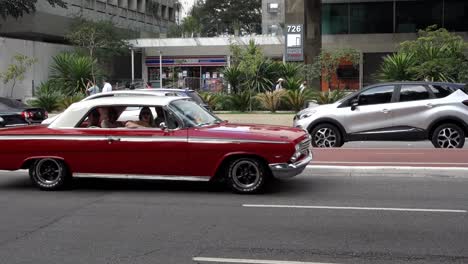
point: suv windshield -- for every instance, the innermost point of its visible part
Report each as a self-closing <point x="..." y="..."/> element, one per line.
<point x="193" y="114"/>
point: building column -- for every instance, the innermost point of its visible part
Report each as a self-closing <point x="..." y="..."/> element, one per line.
<point x="308" y="13"/>
<point x="133" y="64"/>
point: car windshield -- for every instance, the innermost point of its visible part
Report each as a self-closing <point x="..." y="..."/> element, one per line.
<point x="193" y="114"/>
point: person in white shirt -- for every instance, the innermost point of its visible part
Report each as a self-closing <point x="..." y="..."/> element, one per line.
<point x="107" y="87"/>
<point x="279" y="84"/>
<point x="303" y="86"/>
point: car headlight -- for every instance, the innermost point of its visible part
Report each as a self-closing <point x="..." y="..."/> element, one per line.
<point x="297" y="153"/>
<point x="306" y="114"/>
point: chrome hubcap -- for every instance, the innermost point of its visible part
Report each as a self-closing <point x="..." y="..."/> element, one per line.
<point x="448" y="138"/>
<point x="325" y="138"/>
<point x="245" y="174"/>
<point x="48" y="171"/>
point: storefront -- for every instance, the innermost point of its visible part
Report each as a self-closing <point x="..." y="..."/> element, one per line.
<point x="195" y="72"/>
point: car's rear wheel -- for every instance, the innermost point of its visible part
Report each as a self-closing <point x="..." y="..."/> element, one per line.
<point x="448" y="136"/>
<point x="246" y="175"/>
<point x="326" y="136"/>
<point x="50" y="174"/>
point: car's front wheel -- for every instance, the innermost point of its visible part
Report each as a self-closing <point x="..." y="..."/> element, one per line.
<point x="326" y="136"/>
<point x="50" y="174"/>
<point x="448" y="136"/>
<point x="246" y="175"/>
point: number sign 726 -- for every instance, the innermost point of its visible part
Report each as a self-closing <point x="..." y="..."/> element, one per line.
<point x="295" y="29"/>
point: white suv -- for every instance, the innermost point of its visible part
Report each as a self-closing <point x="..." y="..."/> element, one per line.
<point x="403" y="111"/>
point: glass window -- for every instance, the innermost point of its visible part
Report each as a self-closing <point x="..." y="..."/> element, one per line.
<point x="440" y="91"/>
<point x="371" y="18"/>
<point x="456" y="15"/>
<point x="413" y="93"/>
<point x="335" y="19"/>
<point x="377" y="95"/>
<point x="273" y="7"/>
<point x="414" y="15"/>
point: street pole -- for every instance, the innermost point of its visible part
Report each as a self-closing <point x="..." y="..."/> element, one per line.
<point x="133" y="65"/>
<point x="160" y="70"/>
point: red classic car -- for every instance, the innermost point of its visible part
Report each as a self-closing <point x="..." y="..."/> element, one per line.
<point x="167" y="138"/>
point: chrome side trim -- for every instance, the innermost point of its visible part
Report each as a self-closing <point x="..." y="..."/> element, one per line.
<point x="387" y="131"/>
<point x="231" y="140"/>
<point x="139" y="139"/>
<point x="141" y="177"/>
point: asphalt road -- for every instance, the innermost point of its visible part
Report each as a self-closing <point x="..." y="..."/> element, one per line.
<point x="358" y="220"/>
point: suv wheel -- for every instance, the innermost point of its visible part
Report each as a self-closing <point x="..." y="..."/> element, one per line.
<point x="448" y="136"/>
<point x="326" y="136"/>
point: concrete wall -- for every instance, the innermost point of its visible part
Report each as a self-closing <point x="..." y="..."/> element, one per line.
<point x="271" y="18"/>
<point x="37" y="73"/>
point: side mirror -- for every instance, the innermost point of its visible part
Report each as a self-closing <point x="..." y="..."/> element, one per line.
<point x="354" y="104"/>
<point x="163" y="126"/>
<point x="2" y="122"/>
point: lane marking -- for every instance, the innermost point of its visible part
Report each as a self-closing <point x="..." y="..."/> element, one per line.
<point x="355" y="208"/>
<point x="253" y="261"/>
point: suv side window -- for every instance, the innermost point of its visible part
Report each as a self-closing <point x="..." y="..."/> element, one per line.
<point x="440" y="91"/>
<point x="416" y="92"/>
<point x="377" y="95"/>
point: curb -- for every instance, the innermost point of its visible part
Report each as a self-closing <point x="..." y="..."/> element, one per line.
<point x="387" y="171"/>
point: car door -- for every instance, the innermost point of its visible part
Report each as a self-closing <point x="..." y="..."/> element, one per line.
<point x="415" y="104"/>
<point x="373" y="112"/>
<point x="133" y="151"/>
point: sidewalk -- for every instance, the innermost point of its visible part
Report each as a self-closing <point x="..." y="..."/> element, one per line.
<point x="259" y="118"/>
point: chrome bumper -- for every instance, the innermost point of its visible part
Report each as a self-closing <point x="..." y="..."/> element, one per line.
<point x="287" y="170"/>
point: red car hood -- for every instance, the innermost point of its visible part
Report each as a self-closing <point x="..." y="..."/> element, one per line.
<point x="254" y="131"/>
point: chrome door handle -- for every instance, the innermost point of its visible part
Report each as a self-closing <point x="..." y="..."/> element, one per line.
<point x="113" y="139"/>
<point x="385" y="111"/>
<point x="430" y="105"/>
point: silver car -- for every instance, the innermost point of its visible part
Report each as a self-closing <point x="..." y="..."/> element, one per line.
<point x="404" y="111"/>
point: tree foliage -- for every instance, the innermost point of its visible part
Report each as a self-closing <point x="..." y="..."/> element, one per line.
<point x="436" y="55"/>
<point x="17" y="8"/>
<point x="16" y="70"/>
<point x="217" y="17"/>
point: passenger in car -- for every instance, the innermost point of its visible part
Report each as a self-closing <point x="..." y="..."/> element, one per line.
<point x="146" y="119"/>
<point x="160" y="116"/>
<point x="110" y="121"/>
<point x="93" y="118"/>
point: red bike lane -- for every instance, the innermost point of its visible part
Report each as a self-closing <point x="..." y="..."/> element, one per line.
<point x="457" y="158"/>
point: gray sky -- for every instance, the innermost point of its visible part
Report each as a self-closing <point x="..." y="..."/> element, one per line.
<point x="186" y="5"/>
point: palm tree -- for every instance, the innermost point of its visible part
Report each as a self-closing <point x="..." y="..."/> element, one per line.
<point x="296" y="99"/>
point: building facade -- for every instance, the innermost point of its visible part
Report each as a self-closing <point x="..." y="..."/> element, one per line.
<point x="376" y="27"/>
<point x="147" y="18"/>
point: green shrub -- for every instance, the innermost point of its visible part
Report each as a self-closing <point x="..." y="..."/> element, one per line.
<point x="328" y="97"/>
<point x="270" y="100"/>
<point x="72" y="71"/>
<point x="296" y="99"/>
<point x="47" y="97"/>
<point x="69" y="100"/>
<point x="242" y="101"/>
<point x="397" y="67"/>
<point x="210" y="99"/>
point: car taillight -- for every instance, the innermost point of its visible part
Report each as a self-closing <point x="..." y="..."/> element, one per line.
<point x="26" y="115"/>
<point x="465" y="102"/>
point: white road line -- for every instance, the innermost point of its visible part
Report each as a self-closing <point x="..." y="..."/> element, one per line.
<point x="398" y="153"/>
<point x="252" y="261"/>
<point x="355" y="208"/>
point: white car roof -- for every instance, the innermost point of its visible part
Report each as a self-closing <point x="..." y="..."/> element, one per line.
<point x="127" y="92"/>
<point x="70" y="117"/>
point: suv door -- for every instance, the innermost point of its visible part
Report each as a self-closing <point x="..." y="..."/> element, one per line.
<point x="412" y="112"/>
<point x="373" y="113"/>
